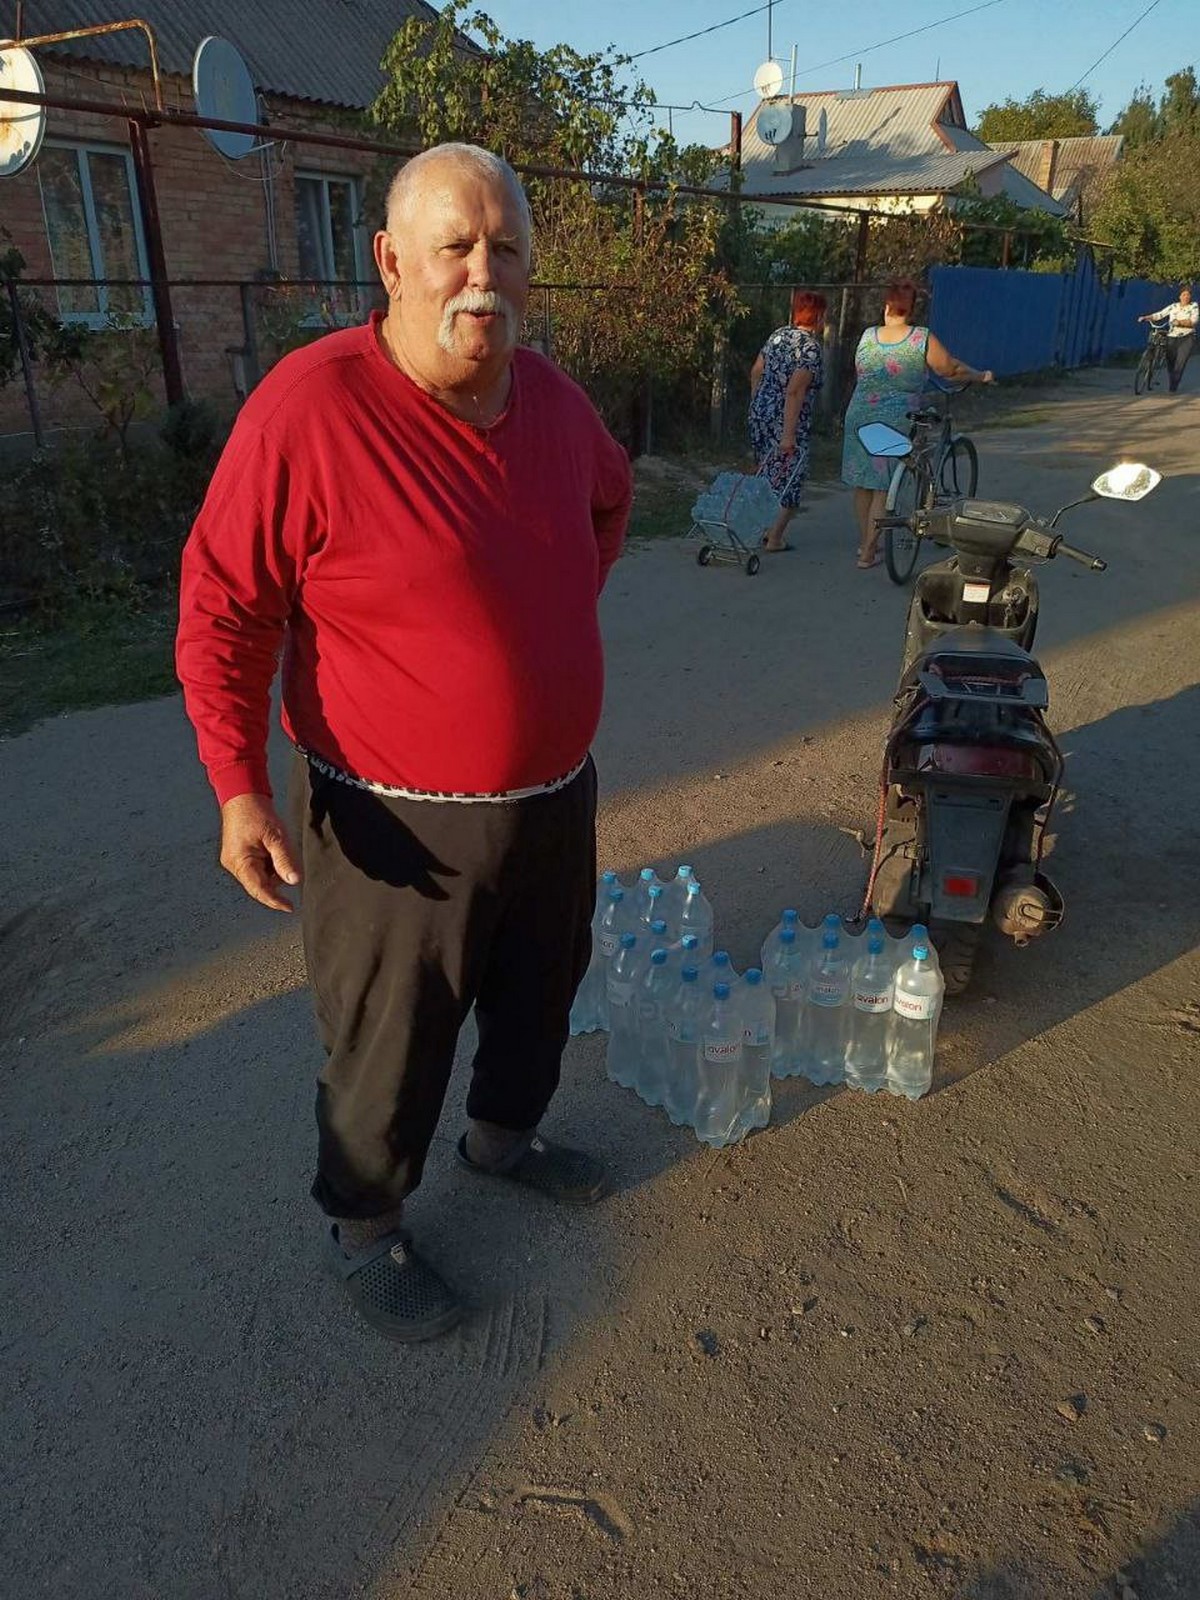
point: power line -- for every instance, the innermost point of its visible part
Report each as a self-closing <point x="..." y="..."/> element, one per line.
<point x="866" y="50"/>
<point x="1113" y="46"/>
<point x="700" y="33"/>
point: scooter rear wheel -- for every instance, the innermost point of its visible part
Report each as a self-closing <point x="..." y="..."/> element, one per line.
<point x="957" y="946"/>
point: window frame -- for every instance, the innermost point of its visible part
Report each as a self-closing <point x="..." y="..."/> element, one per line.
<point x="352" y="311"/>
<point x="100" y="319"/>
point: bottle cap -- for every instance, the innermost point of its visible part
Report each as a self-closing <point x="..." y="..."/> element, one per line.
<point x="684" y="872"/>
<point x="657" y="957"/>
<point x="875" y="944"/>
<point x="609" y="877"/>
<point x="789" y="917"/>
<point x="833" y="920"/>
<point x="647" y="874"/>
<point x="720" y="958"/>
<point x="752" y="976"/>
<point x="829" y="940"/>
<point x="617" y="894"/>
<point x="628" y="940"/>
<point x="919" y="932"/>
<point x="920" y="952"/>
<point x="658" y="926"/>
<point x="689" y="974"/>
<point x="690" y="941"/>
<point x="788" y="936"/>
<point x="693" y="886"/>
<point x="877" y="928"/>
<point x="655" y="890"/>
<point x="720" y="991"/>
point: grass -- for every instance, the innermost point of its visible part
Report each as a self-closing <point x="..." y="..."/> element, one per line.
<point x="103" y="653"/>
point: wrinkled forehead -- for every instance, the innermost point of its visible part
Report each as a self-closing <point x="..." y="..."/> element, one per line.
<point x="449" y="198"/>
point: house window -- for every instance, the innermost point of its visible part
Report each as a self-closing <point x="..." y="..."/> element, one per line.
<point x="94" y="231"/>
<point x="328" y="234"/>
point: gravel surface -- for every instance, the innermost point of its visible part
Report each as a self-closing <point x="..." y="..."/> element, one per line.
<point x="879" y="1350"/>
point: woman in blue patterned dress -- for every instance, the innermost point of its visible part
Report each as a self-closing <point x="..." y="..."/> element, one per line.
<point x="890" y="365"/>
<point x="784" y="381"/>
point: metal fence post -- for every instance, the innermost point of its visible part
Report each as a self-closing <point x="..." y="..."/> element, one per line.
<point x="168" y="341"/>
<point x="22" y="338"/>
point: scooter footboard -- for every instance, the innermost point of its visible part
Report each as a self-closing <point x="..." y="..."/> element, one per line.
<point x="964" y="835"/>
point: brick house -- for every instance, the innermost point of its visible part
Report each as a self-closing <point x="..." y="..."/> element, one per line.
<point x="289" y="210"/>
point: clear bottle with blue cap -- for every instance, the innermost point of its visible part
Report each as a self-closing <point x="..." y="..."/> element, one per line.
<point x="623" y="1055"/>
<point x="756" y="1006"/>
<point x="720" y="1070"/>
<point x="655" y="993"/>
<point x="786" y="978"/>
<point x="823" y="1021"/>
<point x="872" y="984"/>
<point x="685" y="1026"/>
<point x="916" y="1012"/>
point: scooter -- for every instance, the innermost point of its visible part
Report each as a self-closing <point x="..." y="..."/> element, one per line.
<point x="971" y="769"/>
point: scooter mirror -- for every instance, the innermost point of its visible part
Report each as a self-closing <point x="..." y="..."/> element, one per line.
<point x="880" y="440"/>
<point x="1129" y="480"/>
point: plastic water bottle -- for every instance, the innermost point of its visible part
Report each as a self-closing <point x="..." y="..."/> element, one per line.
<point x="697" y="917"/>
<point x="823" y="1021"/>
<point x="650" y="911"/>
<point x="683" y="954"/>
<point x="756" y="1004"/>
<point x="789" y="919"/>
<point x="912" y="1036"/>
<point x="720" y="1070"/>
<point x="785" y="979"/>
<point x="674" y="897"/>
<point x="615" y="919"/>
<point x="648" y="880"/>
<point x="685" y="1023"/>
<point x="872" y="982"/>
<point x="654" y="995"/>
<point x="718" y="969"/>
<point x="623" y="1056"/>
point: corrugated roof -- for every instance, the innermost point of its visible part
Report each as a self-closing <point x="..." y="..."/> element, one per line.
<point x="1076" y="161"/>
<point x="905" y="139"/>
<point x="308" y="50"/>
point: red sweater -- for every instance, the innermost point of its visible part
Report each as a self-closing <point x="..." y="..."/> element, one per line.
<point x="433" y="584"/>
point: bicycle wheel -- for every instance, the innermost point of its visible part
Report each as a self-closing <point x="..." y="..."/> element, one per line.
<point x="1145" y="368"/>
<point x="959" y="474"/>
<point x="908" y="494"/>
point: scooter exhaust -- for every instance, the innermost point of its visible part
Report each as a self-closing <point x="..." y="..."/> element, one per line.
<point x="1024" y="911"/>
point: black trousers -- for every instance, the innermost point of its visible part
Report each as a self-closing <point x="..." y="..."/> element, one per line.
<point x="1179" y="351"/>
<point x="412" y="912"/>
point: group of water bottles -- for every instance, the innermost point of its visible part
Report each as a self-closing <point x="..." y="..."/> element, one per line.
<point x="690" y="1034"/>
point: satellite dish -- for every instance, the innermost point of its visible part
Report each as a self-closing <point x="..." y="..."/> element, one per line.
<point x="774" y="123"/>
<point x="22" y="127"/>
<point x="768" y="80"/>
<point x="822" y="133"/>
<point x="224" y="90"/>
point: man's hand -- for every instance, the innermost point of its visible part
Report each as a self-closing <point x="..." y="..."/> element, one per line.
<point x="256" y="850"/>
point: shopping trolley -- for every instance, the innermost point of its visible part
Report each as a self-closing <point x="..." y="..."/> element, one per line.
<point x="732" y="514"/>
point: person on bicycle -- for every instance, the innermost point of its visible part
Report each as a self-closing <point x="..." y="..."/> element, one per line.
<point x="784" y="381"/>
<point x="890" y="365"/>
<point x="1182" y="316"/>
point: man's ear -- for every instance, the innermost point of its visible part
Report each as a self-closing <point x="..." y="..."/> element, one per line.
<point x="387" y="263"/>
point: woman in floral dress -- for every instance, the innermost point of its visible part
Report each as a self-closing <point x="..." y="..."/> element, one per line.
<point x="890" y="365"/>
<point x="784" y="381"/>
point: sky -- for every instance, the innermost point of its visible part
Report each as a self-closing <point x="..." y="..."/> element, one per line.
<point x="1007" y="47"/>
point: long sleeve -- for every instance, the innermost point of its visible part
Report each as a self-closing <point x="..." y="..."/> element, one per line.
<point x="238" y="580"/>
<point x="612" y="498"/>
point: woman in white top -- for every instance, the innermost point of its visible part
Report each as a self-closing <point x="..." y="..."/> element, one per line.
<point x="1182" y="317"/>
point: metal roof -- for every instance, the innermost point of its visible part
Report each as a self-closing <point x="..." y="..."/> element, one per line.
<point x="308" y="50"/>
<point x="1076" y="161"/>
<point x="905" y="139"/>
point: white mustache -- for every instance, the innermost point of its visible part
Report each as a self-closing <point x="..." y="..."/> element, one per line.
<point x="485" y="300"/>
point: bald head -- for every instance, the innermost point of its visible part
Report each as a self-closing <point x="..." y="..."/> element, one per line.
<point x="421" y="176"/>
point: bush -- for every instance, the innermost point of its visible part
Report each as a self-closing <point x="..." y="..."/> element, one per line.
<point x="96" y="520"/>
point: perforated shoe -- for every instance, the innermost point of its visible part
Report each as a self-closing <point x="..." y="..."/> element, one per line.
<point x="394" y="1290"/>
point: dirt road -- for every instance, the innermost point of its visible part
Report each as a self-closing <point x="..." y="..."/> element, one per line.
<point x="877" y="1351"/>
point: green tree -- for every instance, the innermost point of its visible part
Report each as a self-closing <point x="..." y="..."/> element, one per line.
<point x="1040" y="116"/>
<point x="1138" y="123"/>
<point x="1149" y="208"/>
<point x="657" y="255"/>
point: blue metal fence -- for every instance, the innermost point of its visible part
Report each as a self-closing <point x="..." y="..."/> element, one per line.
<point x="1017" y="322"/>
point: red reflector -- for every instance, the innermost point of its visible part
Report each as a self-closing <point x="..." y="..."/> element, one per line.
<point x="977" y="761"/>
<point x="961" y="883"/>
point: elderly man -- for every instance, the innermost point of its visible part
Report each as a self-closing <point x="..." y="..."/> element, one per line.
<point x="422" y="515"/>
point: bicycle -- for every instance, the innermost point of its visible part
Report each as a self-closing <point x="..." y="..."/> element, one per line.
<point x="942" y="466"/>
<point x="1154" y="359"/>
